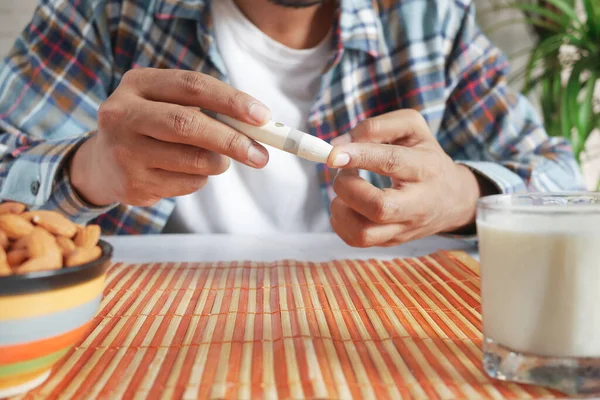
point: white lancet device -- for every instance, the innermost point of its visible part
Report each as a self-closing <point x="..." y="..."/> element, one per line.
<point x="284" y="138"/>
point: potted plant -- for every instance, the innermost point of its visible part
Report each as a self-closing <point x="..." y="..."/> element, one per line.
<point x="563" y="65"/>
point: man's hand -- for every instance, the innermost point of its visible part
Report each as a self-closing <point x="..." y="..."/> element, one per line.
<point x="154" y="142"/>
<point x="429" y="194"/>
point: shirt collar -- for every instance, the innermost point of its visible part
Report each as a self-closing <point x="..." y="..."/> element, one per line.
<point x="359" y="27"/>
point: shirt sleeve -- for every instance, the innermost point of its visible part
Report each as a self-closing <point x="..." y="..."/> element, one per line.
<point x="491" y="129"/>
<point x="51" y="84"/>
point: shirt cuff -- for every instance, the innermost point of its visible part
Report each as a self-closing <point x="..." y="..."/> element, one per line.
<point x="38" y="177"/>
<point x="504" y="180"/>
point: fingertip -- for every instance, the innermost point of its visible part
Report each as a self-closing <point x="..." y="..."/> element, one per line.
<point x="338" y="158"/>
<point x="258" y="156"/>
<point x="225" y="164"/>
<point x="331" y="157"/>
<point x="259" y="113"/>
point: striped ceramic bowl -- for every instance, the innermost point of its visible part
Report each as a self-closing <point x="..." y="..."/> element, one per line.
<point x="42" y="316"/>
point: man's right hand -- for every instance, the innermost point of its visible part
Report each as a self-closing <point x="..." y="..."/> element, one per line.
<point x="153" y="141"/>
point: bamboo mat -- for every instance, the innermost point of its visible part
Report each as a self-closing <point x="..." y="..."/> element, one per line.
<point x="373" y="329"/>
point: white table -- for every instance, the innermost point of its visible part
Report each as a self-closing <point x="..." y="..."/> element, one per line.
<point x="304" y="247"/>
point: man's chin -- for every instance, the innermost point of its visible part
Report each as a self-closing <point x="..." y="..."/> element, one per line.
<point x="297" y="3"/>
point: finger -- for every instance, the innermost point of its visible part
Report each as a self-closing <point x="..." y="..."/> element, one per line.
<point x="173" y="184"/>
<point x="408" y="236"/>
<point x="182" y="158"/>
<point x="148" y="186"/>
<point x="356" y="230"/>
<point x="341" y="140"/>
<point x="407" y="127"/>
<point x="190" y="88"/>
<point x="380" y="206"/>
<point x="172" y="123"/>
<point x="405" y="163"/>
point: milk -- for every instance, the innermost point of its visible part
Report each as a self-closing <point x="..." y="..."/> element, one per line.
<point x="541" y="284"/>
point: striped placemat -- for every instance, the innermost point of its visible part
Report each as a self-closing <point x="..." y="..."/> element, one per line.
<point x="371" y="329"/>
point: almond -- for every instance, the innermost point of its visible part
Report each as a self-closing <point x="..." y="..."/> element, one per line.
<point x="21" y="243"/>
<point x="41" y="243"/>
<point x="32" y="241"/>
<point x="31" y="265"/>
<point x="14" y="226"/>
<point x="17" y="257"/>
<point x="54" y="223"/>
<point x="66" y="245"/>
<point x="88" y="237"/>
<point x="5" y="269"/>
<point x="11" y="207"/>
<point x="51" y="261"/>
<point x="54" y="258"/>
<point x="28" y="215"/>
<point x="83" y="255"/>
<point x="4" y="240"/>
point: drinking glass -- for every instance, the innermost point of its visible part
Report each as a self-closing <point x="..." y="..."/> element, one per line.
<point x="540" y="288"/>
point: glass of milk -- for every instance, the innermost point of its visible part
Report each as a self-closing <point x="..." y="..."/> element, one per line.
<point x="540" y="288"/>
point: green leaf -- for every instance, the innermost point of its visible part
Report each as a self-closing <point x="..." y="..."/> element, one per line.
<point x="545" y="96"/>
<point x="570" y="103"/>
<point x="567" y="9"/>
<point x="548" y="105"/>
<point x="579" y="42"/>
<point x="585" y="122"/>
<point x="557" y="88"/>
<point x="545" y="48"/>
<point x="539" y="79"/>
<point x="589" y="10"/>
<point x="573" y="88"/>
<point x="592" y="10"/>
<point x="565" y="114"/>
<point x="565" y="119"/>
<point x="550" y="101"/>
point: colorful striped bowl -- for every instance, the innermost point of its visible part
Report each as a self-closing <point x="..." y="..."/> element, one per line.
<point x="42" y="316"/>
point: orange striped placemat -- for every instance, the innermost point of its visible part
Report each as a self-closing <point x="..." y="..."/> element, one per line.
<point x="370" y="329"/>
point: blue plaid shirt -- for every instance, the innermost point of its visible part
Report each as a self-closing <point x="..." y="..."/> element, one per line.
<point x="422" y="54"/>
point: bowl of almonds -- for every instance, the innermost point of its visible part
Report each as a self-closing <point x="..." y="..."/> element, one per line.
<point x="52" y="274"/>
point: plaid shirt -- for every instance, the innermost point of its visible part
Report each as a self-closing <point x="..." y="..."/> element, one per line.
<point x="422" y="54"/>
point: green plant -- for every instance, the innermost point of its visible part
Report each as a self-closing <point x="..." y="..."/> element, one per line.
<point x="565" y="83"/>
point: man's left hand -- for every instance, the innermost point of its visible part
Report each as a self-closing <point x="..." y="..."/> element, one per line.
<point x="429" y="194"/>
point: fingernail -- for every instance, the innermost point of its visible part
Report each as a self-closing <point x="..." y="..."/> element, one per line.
<point x="341" y="159"/>
<point x="259" y="113"/>
<point x="256" y="156"/>
<point x="342" y="139"/>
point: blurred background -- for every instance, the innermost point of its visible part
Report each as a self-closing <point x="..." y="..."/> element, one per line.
<point x="14" y="14"/>
<point x="505" y="27"/>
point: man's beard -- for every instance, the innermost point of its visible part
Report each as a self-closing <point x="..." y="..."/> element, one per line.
<point x="297" y="3"/>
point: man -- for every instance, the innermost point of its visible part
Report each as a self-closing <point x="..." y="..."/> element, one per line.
<point x="106" y="105"/>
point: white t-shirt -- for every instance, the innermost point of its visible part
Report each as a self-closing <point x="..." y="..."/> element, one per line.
<point x="284" y="196"/>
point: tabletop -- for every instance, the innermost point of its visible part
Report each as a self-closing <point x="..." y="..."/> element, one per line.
<point x="282" y="316"/>
<point x="305" y="247"/>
